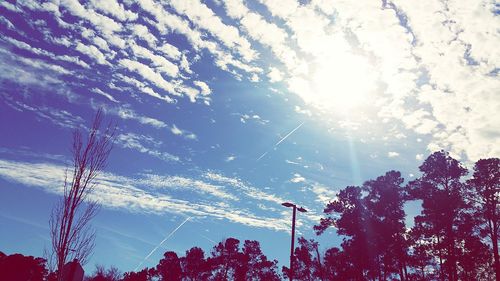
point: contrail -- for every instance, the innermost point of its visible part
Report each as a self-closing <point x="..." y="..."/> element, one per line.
<point x="284" y="138"/>
<point x="161" y="243"/>
<point x="208" y="239"/>
<point x="262" y="156"/>
<point x="281" y="140"/>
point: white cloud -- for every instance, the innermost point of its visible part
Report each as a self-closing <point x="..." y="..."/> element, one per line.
<point x="248" y="190"/>
<point x="125" y="113"/>
<point x="158" y="181"/>
<point x="230" y="158"/>
<point x="274" y="75"/>
<point x="186" y="134"/>
<point x="419" y="157"/>
<point x="104" y="24"/>
<point x="149" y="74"/>
<point x="38" y="51"/>
<point x="143" y="33"/>
<point x="160" y="63"/>
<point x="205" y="89"/>
<point x="297" y="178"/>
<point x="170" y="51"/>
<point x="169" y="22"/>
<point x="115" y="9"/>
<point x="175" y="130"/>
<point x="134" y="141"/>
<point x="392" y="154"/>
<point x="59" y="117"/>
<point x="102" y="93"/>
<point x="422" y="63"/>
<point x="144" y="88"/>
<point x="92" y="52"/>
<point x="254" y="117"/>
<point x="114" y="191"/>
<point x="323" y="194"/>
<point x="205" y="18"/>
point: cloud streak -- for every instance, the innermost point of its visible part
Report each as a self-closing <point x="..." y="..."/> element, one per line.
<point x="138" y="195"/>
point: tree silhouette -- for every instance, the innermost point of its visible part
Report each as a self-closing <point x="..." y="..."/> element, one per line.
<point x="307" y="261"/>
<point x="385" y="200"/>
<point x="194" y="265"/>
<point x="18" y="267"/>
<point x="443" y="204"/>
<point x="257" y="266"/>
<point x="143" y="275"/>
<point x="103" y="274"/>
<point x="371" y="218"/>
<point x="226" y="261"/>
<point x="486" y="182"/>
<point x="169" y="268"/>
<point x="348" y="215"/>
<point x="420" y="258"/>
<point x="72" y="237"/>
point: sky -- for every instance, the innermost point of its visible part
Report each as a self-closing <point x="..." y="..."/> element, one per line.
<point x="226" y="109"/>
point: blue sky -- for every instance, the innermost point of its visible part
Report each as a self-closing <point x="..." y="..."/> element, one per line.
<point x="226" y="109"/>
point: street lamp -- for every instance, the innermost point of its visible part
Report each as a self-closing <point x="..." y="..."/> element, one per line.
<point x="302" y="210"/>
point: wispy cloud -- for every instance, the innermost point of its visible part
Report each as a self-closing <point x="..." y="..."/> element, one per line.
<point x="184" y="133"/>
<point x="247" y="189"/>
<point x="123" y="193"/>
<point x="136" y="142"/>
<point x="230" y="158"/>
<point x="178" y="182"/>
<point x="244" y="118"/>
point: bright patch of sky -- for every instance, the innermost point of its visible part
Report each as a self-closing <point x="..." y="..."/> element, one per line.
<point x="225" y="109"/>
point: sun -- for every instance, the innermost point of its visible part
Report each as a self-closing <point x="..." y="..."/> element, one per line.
<point x="338" y="82"/>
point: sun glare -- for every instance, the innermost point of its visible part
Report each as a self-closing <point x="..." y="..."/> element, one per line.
<point x="340" y="83"/>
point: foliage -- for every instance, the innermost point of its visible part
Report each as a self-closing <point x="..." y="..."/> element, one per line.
<point x="18" y="267"/>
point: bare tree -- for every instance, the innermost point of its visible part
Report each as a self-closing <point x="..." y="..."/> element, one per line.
<point x="72" y="236"/>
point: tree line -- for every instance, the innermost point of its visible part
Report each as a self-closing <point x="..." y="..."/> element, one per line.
<point x="455" y="236"/>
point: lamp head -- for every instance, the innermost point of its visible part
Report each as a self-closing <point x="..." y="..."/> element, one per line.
<point x="300" y="209"/>
<point x="288" y="204"/>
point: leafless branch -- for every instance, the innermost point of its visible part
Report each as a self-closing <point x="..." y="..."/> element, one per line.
<point x="71" y="233"/>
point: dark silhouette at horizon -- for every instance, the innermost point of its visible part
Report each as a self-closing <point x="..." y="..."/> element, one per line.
<point x="455" y="236"/>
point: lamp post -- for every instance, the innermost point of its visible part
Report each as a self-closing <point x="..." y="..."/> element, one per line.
<point x="302" y="210"/>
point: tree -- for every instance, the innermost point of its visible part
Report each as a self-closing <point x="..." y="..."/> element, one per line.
<point x="18" y="267"/>
<point x="337" y="266"/>
<point x="348" y="214"/>
<point x="72" y="237"/>
<point x="443" y="209"/>
<point x="371" y="218"/>
<point x="194" y="265"/>
<point x="102" y="274"/>
<point x="143" y="275"/>
<point x="226" y="261"/>
<point x="486" y="182"/>
<point x="307" y="264"/>
<point x="420" y="257"/>
<point x="474" y="257"/>
<point x="169" y="268"/>
<point x="258" y="267"/>
<point x="385" y="200"/>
